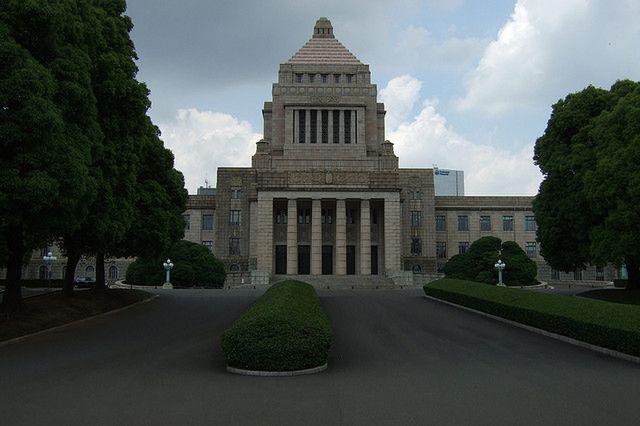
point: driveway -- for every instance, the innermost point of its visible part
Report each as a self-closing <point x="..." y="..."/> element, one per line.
<point x="398" y="358"/>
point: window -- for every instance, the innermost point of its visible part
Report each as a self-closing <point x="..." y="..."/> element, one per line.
<point x="208" y="244"/>
<point x="304" y="216"/>
<point x="207" y="222"/>
<point x="463" y="247"/>
<point x="88" y="272"/>
<point x="313" y="125"/>
<point x="327" y="216"/>
<point x="531" y="248"/>
<point x="577" y="275"/>
<point x="187" y="221"/>
<point x="463" y="223"/>
<point x="374" y="216"/>
<point x="416" y="247"/>
<point x="325" y="126"/>
<point x="347" y="126"/>
<point x="351" y="219"/>
<point x="336" y="78"/>
<point x="599" y="273"/>
<point x="324" y="77"/>
<point x="507" y="223"/>
<point x="235" y="217"/>
<point x="281" y="216"/>
<point x="113" y="272"/>
<point x="530" y="223"/>
<point x="312" y="77"/>
<point x="298" y="78"/>
<point x="441" y="223"/>
<point x="336" y="126"/>
<point x="234" y="246"/>
<point x="349" y="78"/>
<point x="416" y="268"/>
<point x="485" y="223"/>
<point x="415" y="218"/>
<point x="302" y="126"/>
<point x="417" y="195"/>
<point x="555" y="275"/>
<point x="44" y="251"/>
<point x="235" y="194"/>
<point x="441" y="249"/>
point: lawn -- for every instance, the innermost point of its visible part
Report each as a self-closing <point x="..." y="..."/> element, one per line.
<point x="54" y="309"/>
<point x="610" y="325"/>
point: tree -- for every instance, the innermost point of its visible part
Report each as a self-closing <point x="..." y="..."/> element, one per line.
<point x="477" y="264"/>
<point x="48" y="129"/>
<point x="588" y="205"/>
<point x="194" y="264"/>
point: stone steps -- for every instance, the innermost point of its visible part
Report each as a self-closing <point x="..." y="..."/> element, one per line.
<point x="341" y="281"/>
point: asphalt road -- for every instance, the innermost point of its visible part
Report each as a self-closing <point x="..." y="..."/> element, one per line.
<point x="398" y="359"/>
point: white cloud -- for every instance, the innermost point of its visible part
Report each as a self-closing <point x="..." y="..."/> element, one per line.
<point x="202" y="141"/>
<point x="548" y="49"/>
<point x="399" y="96"/>
<point x="428" y="139"/>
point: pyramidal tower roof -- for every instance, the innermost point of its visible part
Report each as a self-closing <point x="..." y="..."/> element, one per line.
<point x="324" y="48"/>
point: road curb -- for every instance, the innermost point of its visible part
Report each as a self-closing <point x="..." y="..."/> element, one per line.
<point x="277" y="373"/>
<point x="575" y="342"/>
<point x="58" y="327"/>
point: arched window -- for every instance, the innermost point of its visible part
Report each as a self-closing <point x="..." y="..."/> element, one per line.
<point x="113" y="272"/>
<point x="43" y="272"/>
<point x="234" y="267"/>
<point x="64" y="271"/>
<point x="89" y="272"/>
<point x="416" y="268"/>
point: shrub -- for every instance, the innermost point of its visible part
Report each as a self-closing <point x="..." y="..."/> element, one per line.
<point x="601" y="323"/>
<point x="285" y="330"/>
<point x="194" y="265"/>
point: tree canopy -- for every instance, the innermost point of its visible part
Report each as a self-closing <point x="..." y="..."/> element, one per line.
<point x="588" y="205"/>
<point x="477" y="264"/>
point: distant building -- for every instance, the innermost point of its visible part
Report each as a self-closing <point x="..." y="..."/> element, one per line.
<point x="449" y="182"/>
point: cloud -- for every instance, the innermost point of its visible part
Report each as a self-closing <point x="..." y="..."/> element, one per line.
<point x="399" y="96"/>
<point x="548" y="49"/>
<point x="428" y="139"/>
<point x="202" y="141"/>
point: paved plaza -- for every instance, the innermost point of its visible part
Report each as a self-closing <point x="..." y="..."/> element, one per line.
<point x="398" y="359"/>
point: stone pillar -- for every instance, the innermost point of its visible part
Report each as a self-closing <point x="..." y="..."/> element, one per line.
<point x="264" y="234"/>
<point x="341" y="237"/>
<point x="292" y="237"/>
<point x="319" y="126"/>
<point x="392" y="242"/>
<point x="365" y="238"/>
<point x="316" y="238"/>
<point x="353" y="126"/>
<point x="307" y="126"/>
<point x="296" y="123"/>
<point x="330" y="126"/>
<point x="341" y="130"/>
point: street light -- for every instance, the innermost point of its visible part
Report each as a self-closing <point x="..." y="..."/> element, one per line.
<point x="500" y="267"/>
<point x="49" y="259"/>
<point x="168" y="266"/>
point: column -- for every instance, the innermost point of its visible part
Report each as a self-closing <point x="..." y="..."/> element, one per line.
<point x="341" y="130"/>
<point x="392" y="233"/>
<point x="264" y="234"/>
<point x="341" y="238"/>
<point x="319" y="126"/>
<point x="316" y="238"/>
<point x="296" y="139"/>
<point x="353" y="126"/>
<point x="292" y="237"/>
<point x="307" y="126"/>
<point x="330" y="126"/>
<point x="365" y="238"/>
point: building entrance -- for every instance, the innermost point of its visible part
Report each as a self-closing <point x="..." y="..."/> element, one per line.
<point x="351" y="260"/>
<point x="374" y="260"/>
<point x="281" y="260"/>
<point x="304" y="260"/>
<point x="327" y="260"/>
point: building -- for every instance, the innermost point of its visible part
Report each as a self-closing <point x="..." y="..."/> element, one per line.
<point x="325" y="196"/>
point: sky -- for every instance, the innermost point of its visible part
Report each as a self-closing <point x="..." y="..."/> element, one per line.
<point x="467" y="84"/>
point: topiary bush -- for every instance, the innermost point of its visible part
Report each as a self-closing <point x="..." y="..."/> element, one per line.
<point x="194" y="265"/>
<point x="477" y="264"/>
<point x="285" y="330"/>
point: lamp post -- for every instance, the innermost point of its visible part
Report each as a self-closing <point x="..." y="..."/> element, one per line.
<point x="49" y="259"/>
<point x="168" y="266"/>
<point x="500" y="267"/>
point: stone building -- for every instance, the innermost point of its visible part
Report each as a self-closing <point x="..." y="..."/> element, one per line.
<point x="325" y="196"/>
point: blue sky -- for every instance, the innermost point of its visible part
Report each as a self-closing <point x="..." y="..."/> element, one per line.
<point x="467" y="84"/>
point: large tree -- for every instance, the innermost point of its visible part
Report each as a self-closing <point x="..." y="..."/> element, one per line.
<point x="588" y="206"/>
<point x="48" y="128"/>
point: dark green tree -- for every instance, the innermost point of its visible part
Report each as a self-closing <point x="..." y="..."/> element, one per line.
<point x="48" y="128"/>
<point x="587" y="205"/>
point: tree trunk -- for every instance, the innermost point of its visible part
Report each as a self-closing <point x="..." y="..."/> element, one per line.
<point x="100" y="282"/>
<point x="633" y="272"/>
<point x="72" y="262"/>
<point x="12" y="296"/>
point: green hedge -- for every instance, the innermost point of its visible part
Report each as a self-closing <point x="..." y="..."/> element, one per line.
<point x="285" y="330"/>
<point x="605" y="324"/>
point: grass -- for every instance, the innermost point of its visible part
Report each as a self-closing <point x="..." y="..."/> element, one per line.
<point x="626" y="297"/>
<point x="54" y="309"/>
<point x="610" y="325"/>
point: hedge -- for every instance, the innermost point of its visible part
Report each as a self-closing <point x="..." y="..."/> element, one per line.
<point x="285" y="330"/>
<point x="605" y="324"/>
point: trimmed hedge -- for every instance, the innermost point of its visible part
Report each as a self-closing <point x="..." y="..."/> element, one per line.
<point x="285" y="330"/>
<point x="605" y="324"/>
